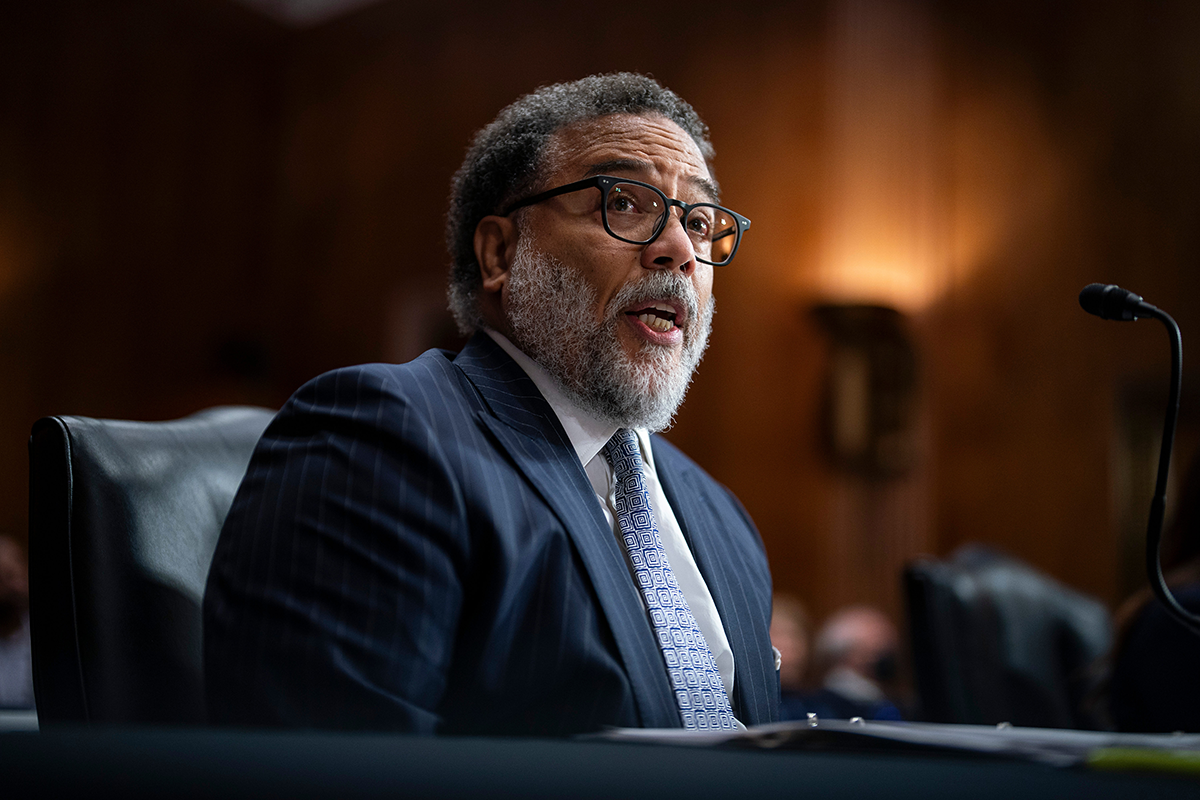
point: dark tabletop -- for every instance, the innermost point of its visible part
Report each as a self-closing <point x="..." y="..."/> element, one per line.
<point x="146" y="762"/>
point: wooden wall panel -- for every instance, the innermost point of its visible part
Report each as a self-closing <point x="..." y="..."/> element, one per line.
<point x="200" y="206"/>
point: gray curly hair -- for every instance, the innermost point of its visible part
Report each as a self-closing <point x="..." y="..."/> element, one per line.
<point x="505" y="159"/>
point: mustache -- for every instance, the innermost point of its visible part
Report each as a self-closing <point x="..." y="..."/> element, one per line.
<point x="657" y="285"/>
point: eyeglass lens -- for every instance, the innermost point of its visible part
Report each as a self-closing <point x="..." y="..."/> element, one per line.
<point x="636" y="212"/>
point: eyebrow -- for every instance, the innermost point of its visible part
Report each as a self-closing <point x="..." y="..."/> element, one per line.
<point x="637" y="165"/>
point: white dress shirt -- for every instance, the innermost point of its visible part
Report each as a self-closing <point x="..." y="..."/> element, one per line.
<point x="588" y="436"/>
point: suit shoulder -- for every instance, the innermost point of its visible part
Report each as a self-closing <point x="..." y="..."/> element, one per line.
<point x="430" y="367"/>
<point x="429" y="382"/>
<point x="670" y="458"/>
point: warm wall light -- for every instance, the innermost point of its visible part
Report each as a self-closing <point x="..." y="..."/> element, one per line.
<point x="885" y="228"/>
<point x="910" y="286"/>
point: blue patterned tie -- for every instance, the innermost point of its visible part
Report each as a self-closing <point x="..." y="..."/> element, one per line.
<point x="694" y="678"/>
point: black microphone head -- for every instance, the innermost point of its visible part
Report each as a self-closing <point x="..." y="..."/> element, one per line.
<point x="1109" y="301"/>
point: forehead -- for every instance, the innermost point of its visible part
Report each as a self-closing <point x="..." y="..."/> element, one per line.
<point x="650" y="148"/>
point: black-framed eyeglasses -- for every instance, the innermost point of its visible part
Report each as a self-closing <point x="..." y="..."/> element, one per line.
<point x="637" y="213"/>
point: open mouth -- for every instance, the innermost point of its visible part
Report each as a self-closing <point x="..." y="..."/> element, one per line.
<point x="660" y="317"/>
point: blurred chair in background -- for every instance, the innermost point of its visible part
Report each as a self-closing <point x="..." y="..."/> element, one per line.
<point x="123" y="520"/>
<point x="994" y="640"/>
<point x="16" y="676"/>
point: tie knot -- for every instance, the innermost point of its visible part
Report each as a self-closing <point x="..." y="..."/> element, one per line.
<point x="623" y="453"/>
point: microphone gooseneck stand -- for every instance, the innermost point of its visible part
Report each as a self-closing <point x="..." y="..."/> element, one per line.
<point x="1115" y="303"/>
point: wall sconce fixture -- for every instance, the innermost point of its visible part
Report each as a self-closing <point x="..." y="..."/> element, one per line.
<point x="869" y="409"/>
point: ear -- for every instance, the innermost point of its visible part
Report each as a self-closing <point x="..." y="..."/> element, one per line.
<point x="495" y="245"/>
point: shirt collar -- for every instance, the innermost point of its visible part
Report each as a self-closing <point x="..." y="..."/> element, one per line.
<point x="588" y="435"/>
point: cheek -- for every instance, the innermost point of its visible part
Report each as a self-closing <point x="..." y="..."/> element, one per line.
<point x="607" y="273"/>
<point x="704" y="286"/>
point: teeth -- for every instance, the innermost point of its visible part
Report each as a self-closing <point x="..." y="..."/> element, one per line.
<point x="656" y="323"/>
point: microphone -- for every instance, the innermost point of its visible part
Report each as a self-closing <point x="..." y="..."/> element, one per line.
<point x="1109" y="301"/>
<point x="1113" y="302"/>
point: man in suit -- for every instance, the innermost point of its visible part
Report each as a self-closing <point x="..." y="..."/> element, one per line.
<point x="492" y="542"/>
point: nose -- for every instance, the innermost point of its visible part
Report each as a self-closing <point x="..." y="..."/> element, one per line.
<point x="673" y="247"/>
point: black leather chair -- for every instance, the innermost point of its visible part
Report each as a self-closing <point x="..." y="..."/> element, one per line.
<point x="123" y="520"/>
<point x="994" y="640"/>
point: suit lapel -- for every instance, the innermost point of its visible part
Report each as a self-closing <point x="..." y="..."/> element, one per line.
<point x="720" y="564"/>
<point x="525" y="426"/>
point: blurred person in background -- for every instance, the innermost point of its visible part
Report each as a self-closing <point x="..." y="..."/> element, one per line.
<point x="16" y="675"/>
<point x="789" y="636"/>
<point x="855" y="653"/>
<point x="1155" y="679"/>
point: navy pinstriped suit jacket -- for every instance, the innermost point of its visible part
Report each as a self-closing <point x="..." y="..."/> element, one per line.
<point x="416" y="547"/>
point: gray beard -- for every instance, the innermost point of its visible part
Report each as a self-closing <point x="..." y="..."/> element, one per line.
<point x="550" y="313"/>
